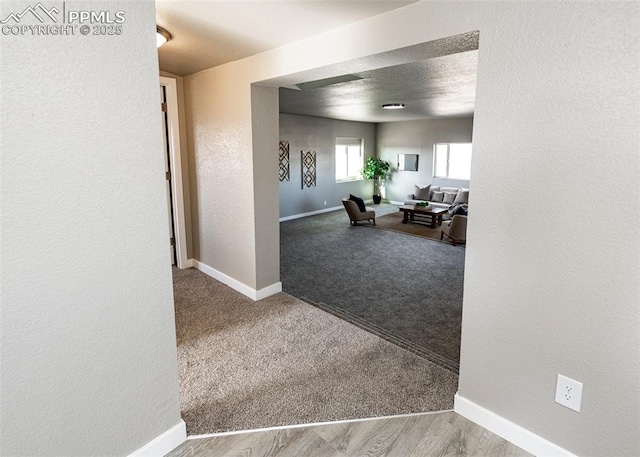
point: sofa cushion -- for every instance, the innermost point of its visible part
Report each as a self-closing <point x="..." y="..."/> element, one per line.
<point x="434" y="189"/>
<point x="463" y="196"/>
<point x="358" y="201"/>
<point x="449" y="197"/>
<point x="437" y="196"/>
<point x="422" y="192"/>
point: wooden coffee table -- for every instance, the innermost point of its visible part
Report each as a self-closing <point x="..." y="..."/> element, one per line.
<point x="434" y="214"/>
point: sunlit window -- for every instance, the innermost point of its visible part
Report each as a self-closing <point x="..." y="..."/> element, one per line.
<point x="452" y="160"/>
<point x="349" y="159"/>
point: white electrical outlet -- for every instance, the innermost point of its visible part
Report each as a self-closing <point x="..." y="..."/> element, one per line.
<point x="569" y="392"/>
<point x="325" y="203"/>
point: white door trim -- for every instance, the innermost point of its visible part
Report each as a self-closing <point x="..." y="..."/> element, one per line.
<point x="173" y="123"/>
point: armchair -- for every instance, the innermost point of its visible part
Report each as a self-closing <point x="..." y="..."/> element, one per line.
<point x="455" y="229"/>
<point x="355" y="215"/>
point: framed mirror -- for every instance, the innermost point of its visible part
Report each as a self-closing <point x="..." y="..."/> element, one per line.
<point x="408" y="162"/>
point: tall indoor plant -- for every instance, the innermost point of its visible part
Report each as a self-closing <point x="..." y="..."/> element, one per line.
<point x="378" y="170"/>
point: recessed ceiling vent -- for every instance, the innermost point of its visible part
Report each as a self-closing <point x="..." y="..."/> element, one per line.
<point x="327" y="82"/>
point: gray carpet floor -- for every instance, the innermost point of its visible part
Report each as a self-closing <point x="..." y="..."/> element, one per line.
<point x="280" y="361"/>
<point x="404" y="288"/>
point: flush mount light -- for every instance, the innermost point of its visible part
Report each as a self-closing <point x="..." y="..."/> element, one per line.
<point x="162" y="36"/>
<point x="393" y="106"/>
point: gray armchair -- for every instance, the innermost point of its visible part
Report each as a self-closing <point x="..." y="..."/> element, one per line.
<point x="455" y="229"/>
<point x="355" y="215"/>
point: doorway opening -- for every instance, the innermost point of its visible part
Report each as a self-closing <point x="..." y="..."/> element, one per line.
<point x="298" y="385"/>
<point x="403" y="283"/>
<point x="173" y="172"/>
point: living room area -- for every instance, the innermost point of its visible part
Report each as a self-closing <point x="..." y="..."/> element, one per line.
<point x="381" y="267"/>
<point x="404" y="287"/>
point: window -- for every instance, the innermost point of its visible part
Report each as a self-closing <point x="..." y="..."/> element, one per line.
<point x="452" y="160"/>
<point x="349" y="159"/>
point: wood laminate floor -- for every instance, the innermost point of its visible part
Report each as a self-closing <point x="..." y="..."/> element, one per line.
<point x="430" y="434"/>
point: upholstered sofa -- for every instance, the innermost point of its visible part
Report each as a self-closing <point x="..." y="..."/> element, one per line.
<point x="438" y="197"/>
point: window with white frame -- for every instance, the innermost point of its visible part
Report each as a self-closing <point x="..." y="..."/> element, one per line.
<point x="452" y="160"/>
<point x="349" y="159"/>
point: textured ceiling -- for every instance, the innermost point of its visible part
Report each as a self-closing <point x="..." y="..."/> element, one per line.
<point x="443" y="85"/>
<point x="208" y="33"/>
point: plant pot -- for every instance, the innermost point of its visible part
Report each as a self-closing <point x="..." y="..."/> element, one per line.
<point x="377" y="199"/>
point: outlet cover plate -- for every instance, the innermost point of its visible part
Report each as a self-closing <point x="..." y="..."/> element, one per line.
<point x="569" y="392"/>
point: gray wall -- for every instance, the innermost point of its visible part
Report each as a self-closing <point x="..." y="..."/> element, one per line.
<point x="88" y="342"/>
<point x="548" y="289"/>
<point x="418" y="137"/>
<point x="319" y="134"/>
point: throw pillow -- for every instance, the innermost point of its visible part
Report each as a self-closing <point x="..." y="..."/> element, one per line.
<point x="463" y="196"/>
<point x="462" y="210"/>
<point x="422" y="192"/>
<point x="449" y="197"/>
<point x="437" y="197"/>
<point x="434" y="189"/>
<point x="359" y="202"/>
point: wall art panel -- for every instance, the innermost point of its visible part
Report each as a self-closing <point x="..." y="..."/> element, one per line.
<point x="284" y="162"/>
<point x="308" y="160"/>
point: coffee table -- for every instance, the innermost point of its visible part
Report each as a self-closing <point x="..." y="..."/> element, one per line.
<point x="434" y="214"/>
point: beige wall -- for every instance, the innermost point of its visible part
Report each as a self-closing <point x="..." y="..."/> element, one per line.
<point x="220" y="153"/>
<point x="549" y="288"/>
<point x="264" y="116"/>
<point x="87" y="334"/>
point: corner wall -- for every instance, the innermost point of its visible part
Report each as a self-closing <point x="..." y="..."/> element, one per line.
<point x="87" y="334"/>
<point x="264" y="115"/>
<point x="219" y="117"/>
<point x="549" y="288"/>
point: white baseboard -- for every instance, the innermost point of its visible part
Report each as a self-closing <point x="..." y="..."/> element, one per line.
<point x="268" y="291"/>
<point x="187" y="264"/>
<point x="311" y="213"/>
<point x="164" y="443"/>
<point x="506" y="429"/>
<point x="237" y="285"/>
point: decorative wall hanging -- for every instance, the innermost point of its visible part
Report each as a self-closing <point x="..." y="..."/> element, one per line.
<point x="308" y="160"/>
<point x="284" y="161"/>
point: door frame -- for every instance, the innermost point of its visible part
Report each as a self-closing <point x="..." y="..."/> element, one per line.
<point x="175" y="163"/>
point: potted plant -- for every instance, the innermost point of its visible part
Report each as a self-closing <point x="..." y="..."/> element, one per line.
<point x="378" y="170"/>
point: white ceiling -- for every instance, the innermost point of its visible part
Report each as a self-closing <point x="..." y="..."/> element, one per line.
<point x="209" y="33"/>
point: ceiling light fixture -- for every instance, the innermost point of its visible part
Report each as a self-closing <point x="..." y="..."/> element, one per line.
<point x="393" y="106"/>
<point x="162" y="36"/>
